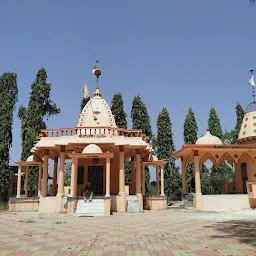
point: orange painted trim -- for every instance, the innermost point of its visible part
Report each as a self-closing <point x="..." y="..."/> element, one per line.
<point x="23" y="202"/>
<point x="24" y="163"/>
<point x="91" y="155"/>
<point x="251" y="182"/>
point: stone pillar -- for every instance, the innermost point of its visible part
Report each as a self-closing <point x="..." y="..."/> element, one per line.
<point x="133" y="177"/>
<point x="54" y="181"/>
<point x="60" y="193"/>
<point x="107" y="177"/>
<point x="45" y="174"/>
<point x="74" y="177"/>
<point x="138" y="179"/>
<point x="162" y="180"/>
<point x="157" y="181"/>
<point x="26" y="181"/>
<point x="39" y="180"/>
<point x="239" y="180"/>
<point x="122" y="202"/>
<point x="19" y="181"/>
<point x="143" y="178"/>
<point x="198" y="195"/>
<point x="183" y="176"/>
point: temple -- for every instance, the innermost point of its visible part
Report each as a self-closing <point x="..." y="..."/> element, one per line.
<point x="98" y="150"/>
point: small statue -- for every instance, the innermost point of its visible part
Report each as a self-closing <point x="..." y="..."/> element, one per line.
<point x="86" y="92"/>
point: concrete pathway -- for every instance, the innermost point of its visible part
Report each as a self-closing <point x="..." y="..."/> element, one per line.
<point x="178" y="232"/>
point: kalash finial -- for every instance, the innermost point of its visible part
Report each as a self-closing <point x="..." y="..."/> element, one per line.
<point x="252" y="106"/>
<point x="96" y="71"/>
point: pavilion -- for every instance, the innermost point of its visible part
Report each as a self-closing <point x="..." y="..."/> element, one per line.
<point x="241" y="156"/>
<point x="97" y="149"/>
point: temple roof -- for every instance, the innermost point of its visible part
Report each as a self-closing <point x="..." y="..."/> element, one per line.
<point x="97" y="113"/>
<point x="248" y="128"/>
<point x="208" y="138"/>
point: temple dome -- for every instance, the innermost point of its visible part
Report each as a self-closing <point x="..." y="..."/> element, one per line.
<point x="248" y="128"/>
<point x="34" y="158"/>
<point x="208" y="138"/>
<point x="92" y="149"/>
<point x="96" y="113"/>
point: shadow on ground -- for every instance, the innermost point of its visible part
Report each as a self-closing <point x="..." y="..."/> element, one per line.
<point x="243" y="230"/>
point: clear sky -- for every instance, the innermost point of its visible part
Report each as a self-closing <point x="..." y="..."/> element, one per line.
<point x="174" y="54"/>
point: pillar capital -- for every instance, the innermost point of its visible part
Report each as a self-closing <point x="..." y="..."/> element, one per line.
<point x="137" y="152"/>
<point x="121" y="149"/>
<point x="46" y="152"/>
<point x="62" y="149"/>
<point x="195" y="153"/>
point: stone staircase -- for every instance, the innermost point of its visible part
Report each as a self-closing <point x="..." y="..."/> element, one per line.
<point x="94" y="208"/>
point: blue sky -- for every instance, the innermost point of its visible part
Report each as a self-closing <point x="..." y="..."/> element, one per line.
<point x="174" y="54"/>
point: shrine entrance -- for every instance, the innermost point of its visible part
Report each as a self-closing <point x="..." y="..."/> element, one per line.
<point x="95" y="177"/>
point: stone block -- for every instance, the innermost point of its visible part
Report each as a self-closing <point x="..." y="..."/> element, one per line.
<point x="133" y="206"/>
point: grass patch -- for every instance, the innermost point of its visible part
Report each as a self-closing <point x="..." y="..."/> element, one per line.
<point x="4" y="206"/>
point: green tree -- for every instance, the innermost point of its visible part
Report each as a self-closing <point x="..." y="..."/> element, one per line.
<point x="8" y="100"/>
<point x="239" y="120"/>
<point x="32" y="118"/>
<point x="117" y="109"/>
<point x="214" y="124"/>
<point x="140" y="116"/>
<point x="141" y="120"/>
<point x="190" y="137"/>
<point x="165" y="146"/>
<point x="67" y="174"/>
<point x="83" y="103"/>
<point x="127" y="171"/>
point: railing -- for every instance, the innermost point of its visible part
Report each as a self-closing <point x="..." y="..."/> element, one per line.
<point x="92" y="132"/>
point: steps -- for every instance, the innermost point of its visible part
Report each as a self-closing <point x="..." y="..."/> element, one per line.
<point x="94" y="208"/>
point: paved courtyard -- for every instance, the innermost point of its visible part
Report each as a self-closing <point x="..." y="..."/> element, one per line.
<point x="167" y="232"/>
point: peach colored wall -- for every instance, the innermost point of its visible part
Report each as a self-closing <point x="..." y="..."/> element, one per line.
<point x="24" y="206"/>
<point x="154" y="203"/>
<point x="107" y="207"/>
<point x="231" y="201"/>
<point x="47" y="204"/>
<point x="114" y="174"/>
<point x="251" y="171"/>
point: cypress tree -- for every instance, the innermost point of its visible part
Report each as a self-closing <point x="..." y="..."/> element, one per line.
<point x="190" y="137"/>
<point x="165" y="146"/>
<point x="83" y="103"/>
<point x="190" y="128"/>
<point x="141" y="120"/>
<point x="140" y="116"/>
<point x="32" y="118"/>
<point x="8" y="100"/>
<point x="239" y="119"/>
<point x="117" y="109"/>
<point x="214" y="124"/>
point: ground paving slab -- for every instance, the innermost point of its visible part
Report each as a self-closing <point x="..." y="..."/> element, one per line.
<point x="178" y="232"/>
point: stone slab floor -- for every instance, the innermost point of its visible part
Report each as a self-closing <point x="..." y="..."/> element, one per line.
<point x="178" y="232"/>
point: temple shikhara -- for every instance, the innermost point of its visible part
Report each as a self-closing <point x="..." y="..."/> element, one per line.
<point x="98" y="150"/>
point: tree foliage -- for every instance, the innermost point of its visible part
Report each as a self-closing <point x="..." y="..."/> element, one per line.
<point x="214" y="124"/>
<point x="8" y="100"/>
<point x="83" y="103"/>
<point x="190" y="128"/>
<point x="67" y="174"/>
<point x="140" y="116"/>
<point x="32" y="118"/>
<point x="165" y="146"/>
<point x="117" y="109"/>
<point x="141" y="121"/>
<point x="239" y="120"/>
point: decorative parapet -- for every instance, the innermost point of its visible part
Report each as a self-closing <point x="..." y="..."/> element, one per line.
<point x="92" y="132"/>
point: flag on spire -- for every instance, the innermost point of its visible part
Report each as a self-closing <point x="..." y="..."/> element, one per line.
<point x="86" y="92"/>
<point x="251" y="82"/>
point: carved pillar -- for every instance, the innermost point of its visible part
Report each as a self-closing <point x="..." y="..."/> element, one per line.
<point x="19" y="181"/>
<point x="54" y="181"/>
<point x="122" y="202"/>
<point x="162" y="180"/>
<point x="74" y="177"/>
<point x="107" y="177"/>
<point x="45" y="173"/>
<point x="198" y="195"/>
<point x="26" y="181"/>
<point x="143" y="178"/>
<point x="133" y="177"/>
<point x="183" y="176"/>
<point x="61" y="180"/>
<point x="157" y="181"/>
<point x="39" y="182"/>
